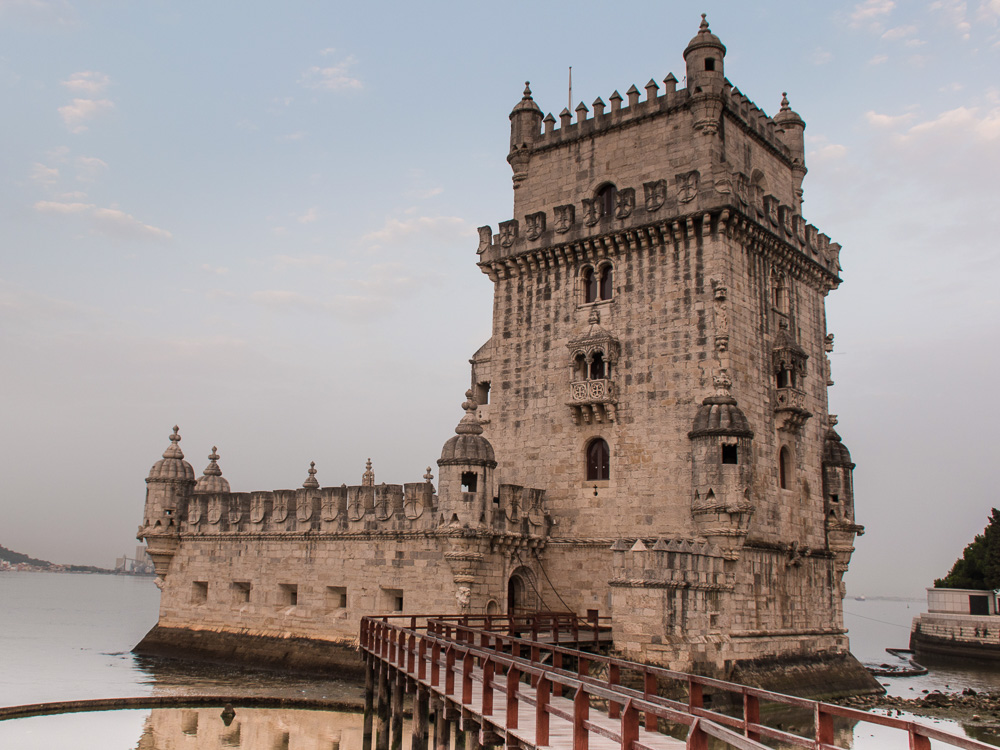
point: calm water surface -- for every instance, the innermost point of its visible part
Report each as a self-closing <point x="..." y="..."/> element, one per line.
<point x="68" y="636"/>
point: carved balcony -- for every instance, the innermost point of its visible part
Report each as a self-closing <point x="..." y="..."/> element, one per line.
<point x="592" y="401"/>
<point x="790" y="412"/>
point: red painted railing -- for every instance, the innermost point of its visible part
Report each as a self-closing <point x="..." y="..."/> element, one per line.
<point x="504" y="661"/>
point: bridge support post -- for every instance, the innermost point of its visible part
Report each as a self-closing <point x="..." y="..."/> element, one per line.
<point x="382" y="729"/>
<point x="396" y="710"/>
<point x="442" y="732"/>
<point x="420" y="709"/>
<point x="366" y="732"/>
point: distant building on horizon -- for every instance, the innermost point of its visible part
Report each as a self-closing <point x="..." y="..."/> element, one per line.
<point x="646" y="433"/>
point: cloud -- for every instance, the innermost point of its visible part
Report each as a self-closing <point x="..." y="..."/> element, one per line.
<point x="887" y="121"/>
<point x="40" y="12"/>
<point x="218" y="270"/>
<point x="820" y="56"/>
<point x="955" y="12"/>
<point x="899" y="32"/>
<point x="88" y="168"/>
<point x="307" y="262"/>
<point x="110" y="222"/>
<point x="963" y="123"/>
<point x="43" y="175"/>
<point x="878" y="59"/>
<point x="871" y="13"/>
<point x="88" y="82"/>
<point x="76" y="113"/>
<point x="309" y="216"/>
<point x="332" y="77"/>
<point x="395" y="231"/>
<point x="298" y="135"/>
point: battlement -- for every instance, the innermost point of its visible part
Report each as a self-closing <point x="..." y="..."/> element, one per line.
<point x="622" y="113"/>
<point x="389" y="506"/>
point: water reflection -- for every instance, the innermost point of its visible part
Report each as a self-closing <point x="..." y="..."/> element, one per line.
<point x="256" y="729"/>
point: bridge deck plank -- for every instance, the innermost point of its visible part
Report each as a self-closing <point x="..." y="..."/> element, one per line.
<point x="560" y="729"/>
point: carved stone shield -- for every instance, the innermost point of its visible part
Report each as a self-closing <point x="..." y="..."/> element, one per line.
<point x="624" y="203"/>
<point x="280" y="509"/>
<point x="565" y="218"/>
<point x="194" y="512"/>
<point x="508" y="232"/>
<point x="485" y="239"/>
<point x="534" y="225"/>
<point x="687" y="186"/>
<point x="214" y="510"/>
<point x="257" y="509"/>
<point x="304" y="509"/>
<point x="656" y="194"/>
<point x="330" y="509"/>
<point x="235" y="510"/>
<point x="591" y="213"/>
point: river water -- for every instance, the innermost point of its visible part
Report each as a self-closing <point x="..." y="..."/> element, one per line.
<point x="68" y="637"/>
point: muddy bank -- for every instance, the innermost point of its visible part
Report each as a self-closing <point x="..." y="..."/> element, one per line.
<point x="968" y="707"/>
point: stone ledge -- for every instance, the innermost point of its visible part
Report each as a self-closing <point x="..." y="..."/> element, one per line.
<point x="310" y="655"/>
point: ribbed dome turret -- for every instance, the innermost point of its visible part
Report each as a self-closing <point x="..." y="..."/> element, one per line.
<point x="526" y="103"/>
<point x="835" y="453"/>
<point x="211" y="481"/>
<point x="786" y="115"/>
<point x="172" y="465"/>
<point x="704" y="38"/>
<point x="720" y="415"/>
<point x="468" y="446"/>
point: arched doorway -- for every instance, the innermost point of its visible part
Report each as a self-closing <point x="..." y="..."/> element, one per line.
<point x="516" y="594"/>
<point x="521" y="594"/>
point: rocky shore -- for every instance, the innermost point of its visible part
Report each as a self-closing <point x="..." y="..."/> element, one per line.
<point x="968" y="707"/>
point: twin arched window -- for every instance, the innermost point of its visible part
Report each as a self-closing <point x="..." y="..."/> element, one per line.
<point x="597" y="284"/>
<point x="598" y="460"/>
<point x="597" y="368"/>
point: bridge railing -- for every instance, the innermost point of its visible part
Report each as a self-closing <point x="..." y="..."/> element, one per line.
<point x="629" y="689"/>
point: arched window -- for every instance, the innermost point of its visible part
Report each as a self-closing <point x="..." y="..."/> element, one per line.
<point x="607" y="277"/>
<point x="590" y="284"/>
<point x="606" y="200"/>
<point x="784" y="467"/>
<point x="598" y="371"/>
<point x="598" y="460"/>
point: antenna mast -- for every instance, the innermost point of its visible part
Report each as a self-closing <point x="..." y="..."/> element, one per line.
<point x="569" y="99"/>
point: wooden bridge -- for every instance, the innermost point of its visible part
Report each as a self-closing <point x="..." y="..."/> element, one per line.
<point x="527" y="682"/>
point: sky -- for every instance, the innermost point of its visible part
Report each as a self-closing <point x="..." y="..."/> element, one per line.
<point x="257" y="221"/>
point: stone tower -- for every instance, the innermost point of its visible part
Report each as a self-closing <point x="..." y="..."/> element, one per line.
<point x="657" y="365"/>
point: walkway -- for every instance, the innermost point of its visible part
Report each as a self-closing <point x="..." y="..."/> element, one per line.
<point x="493" y="688"/>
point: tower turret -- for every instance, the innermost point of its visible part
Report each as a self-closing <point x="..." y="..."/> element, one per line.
<point x="838" y="500"/>
<point x="722" y="470"/>
<point x="525" y="127"/>
<point x="704" y="58"/>
<point x="211" y="481"/>
<point x="791" y="131"/>
<point x="465" y="471"/>
<point x="168" y="487"/>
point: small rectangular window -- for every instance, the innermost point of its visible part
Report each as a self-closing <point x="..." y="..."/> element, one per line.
<point x="199" y="592"/>
<point x="709" y="63"/>
<point x="241" y="591"/>
<point x="469" y="481"/>
<point x="336" y="597"/>
<point x="392" y="600"/>
<point x="729" y="454"/>
<point x="483" y="393"/>
<point x="979" y="605"/>
<point x="834" y="498"/>
<point x="288" y="594"/>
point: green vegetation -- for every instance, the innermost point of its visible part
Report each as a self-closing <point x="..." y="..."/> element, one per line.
<point x="15" y="558"/>
<point x="979" y="565"/>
